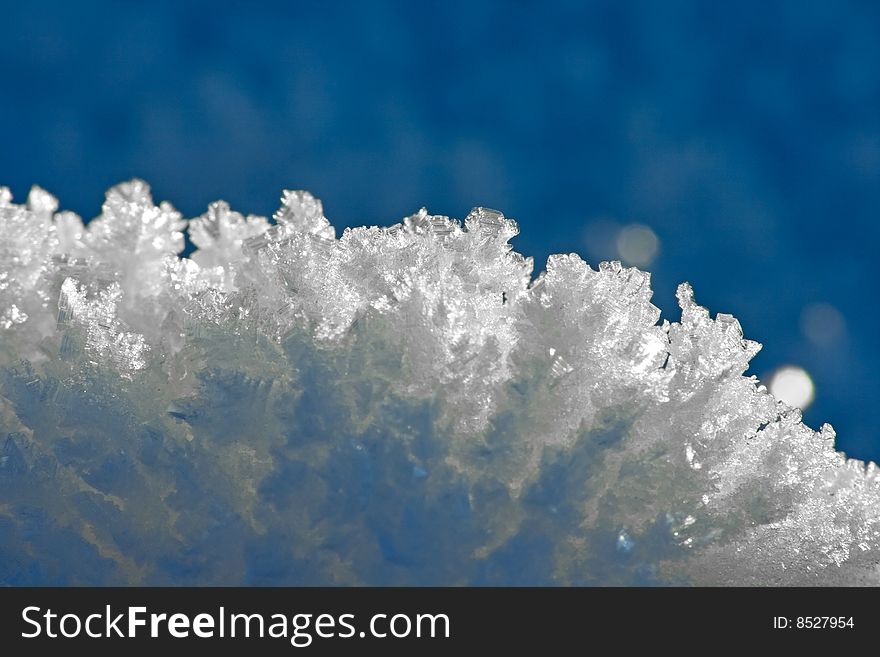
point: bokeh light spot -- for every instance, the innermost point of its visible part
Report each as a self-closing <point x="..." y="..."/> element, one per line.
<point x="822" y="324"/>
<point x="637" y="245"/>
<point x="792" y="385"/>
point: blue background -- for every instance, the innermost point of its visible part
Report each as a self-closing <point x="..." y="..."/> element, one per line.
<point x="746" y="135"/>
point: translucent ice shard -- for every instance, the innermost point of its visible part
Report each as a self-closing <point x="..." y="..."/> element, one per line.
<point x="401" y="405"/>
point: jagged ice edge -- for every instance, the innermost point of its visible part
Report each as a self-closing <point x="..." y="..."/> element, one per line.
<point x="764" y="497"/>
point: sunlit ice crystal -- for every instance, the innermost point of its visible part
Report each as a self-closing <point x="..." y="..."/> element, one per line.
<point x="398" y="405"/>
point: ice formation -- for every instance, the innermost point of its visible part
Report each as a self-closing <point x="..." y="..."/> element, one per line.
<point x="400" y="405"/>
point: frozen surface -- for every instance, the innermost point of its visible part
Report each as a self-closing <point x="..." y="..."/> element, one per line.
<point x="400" y="405"/>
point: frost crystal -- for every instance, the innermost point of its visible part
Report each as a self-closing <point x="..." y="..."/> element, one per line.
<point x="400" y="405"/>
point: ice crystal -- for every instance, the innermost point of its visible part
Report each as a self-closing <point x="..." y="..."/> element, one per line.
<point x="401" y="405"/>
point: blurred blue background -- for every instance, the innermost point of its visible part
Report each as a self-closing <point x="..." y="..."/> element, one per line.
<point x="734" y="145"/>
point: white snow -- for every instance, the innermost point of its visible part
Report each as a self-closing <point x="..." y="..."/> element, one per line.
<point x="401" y="405"/>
